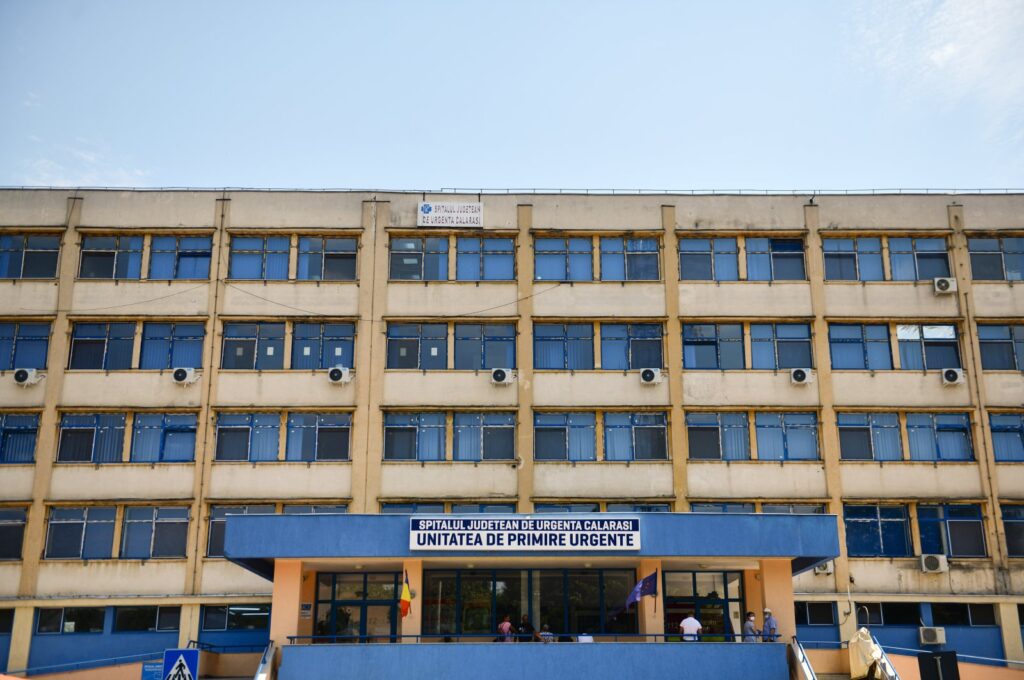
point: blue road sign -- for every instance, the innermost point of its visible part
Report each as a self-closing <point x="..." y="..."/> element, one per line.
<point x="181" y="664"/>
<point x="153" y="670"/>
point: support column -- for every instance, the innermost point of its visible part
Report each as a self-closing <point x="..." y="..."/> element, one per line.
<point x="413" y="623"/>
<point x="777" y="593"/>
<point x="21" y="639"/>
<point x="1010" y="623"/>
<point x="752" y="595"/>
<point x="188" y="627"/>
<point x="651" y="611"/>
<point x="285" y="601"/>
<point x="524" y="358"/>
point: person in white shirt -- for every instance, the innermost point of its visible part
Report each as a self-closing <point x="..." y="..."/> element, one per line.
<point x="690" y="629"/>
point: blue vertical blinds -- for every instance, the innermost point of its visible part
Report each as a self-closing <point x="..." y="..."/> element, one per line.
<point x="563" y="346"/>
<point x="786" y="436"/>
<point x="775" y="259"/>
<point x="563" y="259"/>
<point x="1007" y="436"/>
<point x="249" y="346"/>
<point x="172" y="345"/>
<point x="718" y="436"/>
<point x="631" y="346"/>
<point x="414" y="436"/>
<point x="24" y="256"/>
<point x="713" y="346"/>
<point x="326" y="259"/>
<point x="91" y="438"/>
<point x="564" y="436"/>
<point x="1013" y="522"/>
<point x="259" y="258"/>
<point x="18" y="437"/>
<point x="106" y="346"/>
<point x="151" y="532"/>
<point x="485" y="259"/>
<point x="316" y="345"/>
<point x="111" y="257"/>
<point x="869" y="436"/>
<point x="23" y="345"/>
<point x="318" y="436"/>
<point x="635" y="436"/>
<point x="877" y="530"/>
<point x="853" y="259"/>
<point x="180" y="257"/>
<point x="860" y="347"/>
<point x="80" y="533"/>
<point x="939" y="436"/>
<point x="953" y="530"/>
<point x="918" y="259"/>
<point x="629" y="259"/>
<point x="708" y="259"/>
<point x="928" y="347"/>
<point x="997" y="259"/>
<point x="247" y="436"/>
<point x="484" y="436"/>
<point x="485" y="346"/>
<point x="780" y="345"/>
<point x="163" y="437"/>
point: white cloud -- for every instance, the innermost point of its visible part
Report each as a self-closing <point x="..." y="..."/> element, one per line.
<point x="87" y="164"/>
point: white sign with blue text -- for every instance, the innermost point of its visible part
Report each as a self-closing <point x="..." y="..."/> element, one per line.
<point x="513" y="534"/>
<point x="449" y="214"/>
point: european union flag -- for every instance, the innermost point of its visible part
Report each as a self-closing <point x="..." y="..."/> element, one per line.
<point x="648" y="585"/>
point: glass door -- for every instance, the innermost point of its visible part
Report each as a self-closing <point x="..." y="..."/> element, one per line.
<point x="715" y="599"/>
<point x="357" y="607"/>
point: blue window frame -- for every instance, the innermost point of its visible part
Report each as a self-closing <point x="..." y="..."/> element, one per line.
<point x="249" y="437"/>
<point x="775" y="259"/>
<point x="631" y="346"/>
<point x="111" y="257"/>
<point x="638" y="507"/>
<point x="953" y="530"/>
<point x="793" y="508"/>
<point x="860" y="347"/>
<point x="928" y="347"/>
<point x="563" y="259"/>
<point x="786" y="436"/>
<point x="172" y="345"/>
<point x="259" y="258"/>
<point x="997" y="259"/>
<point x="418" y="346"/>
<point x="28" y="256"/>
<point x="918" y="259"/>
<point x="635" y="436"/>
<point x="18" y="432"/>
<point x="318" y="436"/>
<point x="815" y="613"/>
<point x="146" y="619"/>
<point x="323" y="345"/>
<point x="180" y="257"/>
<point x="1007" y="436"/>
<point x="12" y="537"/>
<point x="480" y="346"/>
<point x="564" y="436"/>
<point x="23" y="345"/>
<point x="630" y="259"/>
<point x="253" y="346"/>
<point x="80" y="533"/>
<point x="314" y="510"/>
<point x="869" y="436"/>
<point x="485" y="259"/>
<point x="939" y="436"/>
<point x="565" y="508"/>
<point x="889" y="614"/>
<point x="1013" y="523"/>
<point x="877" y="530"/>
<point x="154" y="532"/>
<point x="411" y="508"/>
<point x="483" y="508"/>
<point x="780" y="345"/>
<point x="1002" y="347"/>
<point x="729" y="508"/>
<point x="718" y="436"/>
<point x="70" y="620"/>
<point x="102" y="346"/>
<point x="91" y="438"/>
<point x="414" y="436"/>
<point x="563" y="346"/>
<point x="419" y="259"/>
<point x="163" y="437"/>
<point x="326" y="259"/>
<point x="708" y="259"/>
<point x="218" y="522"/>
<point x="712" y="346"/>
<point x="485" y="436"/>
<point x="853" y="259"/>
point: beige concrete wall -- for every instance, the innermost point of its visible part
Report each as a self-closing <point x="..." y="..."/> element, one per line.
<point x="128" y="389"/>
<point x="904" y="575"/>
<point x="491" y="480"/>
<point x="603" y="479"/>
<point x="414" y="299"/>
<point x="28" y="297"/>
<point x="128" y="481"/>
<point x="898" y="388"/>
<point x="887" y="300"/>
<point x="280" y="480"/>
<point x="996" y="299"/>
<point x="221" y="577"/>
<point x="606" y="388"/>
<point x="276" y="390"/>
<point x="598" y="299"/>
<point x="144" y="298"/>
<point x="744" y="299"/>
<point x="756" y="479"/>
<point x="1010" y="480"/>
<point x="290" y="298"/>
<point x="742" y="388"/>
<point x="906" y="479"/>
<point x="1004" y="389"/>
<point x="17" y="483"/>
<point x="445" y="388"/>
<point x="105" y="577"/>
<point x="10" y="575"/>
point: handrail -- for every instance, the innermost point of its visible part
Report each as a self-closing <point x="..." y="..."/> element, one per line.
<point x="731" y="638"/>
<point x="889" y="671"/>
<point x="803" y="664"/>
<point x="958" y="654"/>
<point x="89" y="663"/>
<point x="265" y="670"/>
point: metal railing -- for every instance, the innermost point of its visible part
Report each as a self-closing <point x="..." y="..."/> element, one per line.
<point x="888" y="670"/>
<point x="265" y="670"/>
<point x="91" y="663"/>
<point x="965" y="657"/>
<point x="543" y="637"/>
<point x="801" y="664"/>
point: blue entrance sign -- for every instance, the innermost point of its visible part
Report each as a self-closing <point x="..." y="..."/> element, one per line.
<point x="181" y="664"/>
<point x="523" y="533"/>
<point x="153" y="670"/>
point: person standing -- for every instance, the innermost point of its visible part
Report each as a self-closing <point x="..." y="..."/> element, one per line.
<point x="750" y="631"/>
<point x="545" y="634"/>
<point x="770" y="632"/>
<point x="527" y="633"/>
<point x="690" y="629"/>
<point x="505" y="629"/>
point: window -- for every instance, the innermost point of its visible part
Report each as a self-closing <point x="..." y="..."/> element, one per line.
<point x="80" y="533"/>
<point x="12" y="532"/>
<point x="218" y="519"/>
<point x="172" y="345"/>
<point x="418" y="346"/>
<point x="775" y="259"/>
<point x="997" y="259"/>
<point x="253" y="346"/>
<point x="889" y="614"/>
<point x="780" y="345"/>
<point x="111" y="257"/>
<point x="18" y="437"/>
<point x="163" y="437"/>
<point x="419" y="259"/>
<point x="411" y="508"/>
<point x="918" y="259"/>
<point x="1007" y="436"/>
<point x="91" y="438"/>
<point x="414" y="436"/>
<point x="23" y="345"/>
<point x="323" y="345"/>
<point x="563" y="259"/>
<point x="315" y="509"/>
<point x="484" y="346"/>
<point x="954" y="530"/>
<point x="815" y="614"/>
<point x="6" y="621"/>
<point x="718" y="436"/>
<point x="713" y="346"/>
<point x="876" y="530"/>
<point x="1013" y="523"/>
<point x="729" y="508"/>
<point x="858" y="347"/>
<point x="853" y="259"/>
<point x="259" y="258"/>
<point x="146" y="619"/>
<point x="483" y="508"/>
<point x="28" y="256"/>
<point x="638" y="507"/>
<point x="562" y="508"/>
<point x="485" y="259"/>
<point x="564" y="436"/>
<point x="629" y="259"/>
<point x="327" y="259"/>
<point x="102" y="346"/>
<point x="635" y="436"/>
<point x="708" y="259"/>
<point x="318" y="436"/>
<point x="869" y="436"/>
<point x="154" y="532"/>
<point x="631" y="346"/>
<point x="787" y="436"/>
<point x="563" y="346"/>
<point x="485" y="436"/>
<point x="928" y="347"/>
<point x="793" y="509"/>
<point x="1002" y="347"/>
<point x="180" y="257"/>
<point x="236" y="617"/>
<point x="959" y="614"/>
<point x="939" y="436"/>
<point x="247" y="436"/>
<point x="70" y="620"/>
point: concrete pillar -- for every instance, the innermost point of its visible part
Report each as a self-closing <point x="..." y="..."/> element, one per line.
<point x="651" y="611"/>
<point x="753" y="597"/>
<point x="285" y="601"/>
<point x="188" y="626"/>
<point x="21" y="639"/>
<point x="777" y="593"/>
<point x="1009" y="621"/>
<point x="413" y="623"/>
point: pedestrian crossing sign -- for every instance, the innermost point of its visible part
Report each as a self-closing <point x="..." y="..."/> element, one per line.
<point x="181" y="664"/>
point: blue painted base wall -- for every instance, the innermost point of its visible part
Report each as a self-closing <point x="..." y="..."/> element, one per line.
<point x="88" y="650"/>
<point x="5" y="648"/>
<point x="818" y="637"/>
<point x="565" y="661"/>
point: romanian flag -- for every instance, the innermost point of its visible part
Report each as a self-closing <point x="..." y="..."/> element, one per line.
<point x="405" y="602"/>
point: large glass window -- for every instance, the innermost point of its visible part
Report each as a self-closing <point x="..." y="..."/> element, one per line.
<point x="563" y="259"/>
<point x="111" y="257"/>
<point x="564" y="436"/>
<point x="485" y="259"/>
<point x="163" y="437"/>
<point x="180" y="257"/>
<point x="1013" y="523"/>
<point x="953" y="530"/>
<point x="780" y="345"/>
<point x="485" y="436"/>
<point x="236" y="617"/>
<point x="318" y="436"/>
<point x="484" y="346"/>
<point x="1002" y="347"/>
<point x="815" y="613"/>
<point x="172" y="345"/>
<point x="713" y="346"/>
<point x="414" y="436"/>
<point x="259" y="258"/>
<point x="631" y="346"/>
<point x="411" y="508"/>
<point x="918" y="259"/>
<point x="939" y="436"/>
<point x="327" y="259"/>
<point x="963" y="614"/>
<point x="418" y="346"/>
<point x="419" y="259"/>
<point x="869" y="436"/>
<point x="253" y="346"/>
<point x="563" y="346"/>
<point x="635" y="436"/>
<point x="18" y="437"/>
<point x="889" y="614"/>
<point x="853" y="259"/>
<point x="786" y="436"/>
<point x="80" y="533"/>
<point x="860" y="347"/>
<point x="727" y="508"/>
<point x="877" y="530"/>
<point x="150" y="532"/>
<point x="629" y="259"/>
<point x="928" y="347"/>
<point x="793" y="508"/>
<point x="997" y="259"/>
<point x="357" y="607"/>
<point x="708" y="259"/>
<point x="1007" y="436"/>
<point x="102" y="346"/>
<point x="25" y="256"/>
<point x="218" y="522"/>
<point x="91" y="438"/>
<point x="23" y="345"/>
<point x="70" y="620"/>
<point x="323" y="345"/>
<point x="12" y="533"/>
<point x="247" y="436"/>
<point x="775" y="259"/>
<point x="146" y="619"/>
<point x="718" y="436"/>
<point x="483" y="508"/>
<point x="565" y="508"/>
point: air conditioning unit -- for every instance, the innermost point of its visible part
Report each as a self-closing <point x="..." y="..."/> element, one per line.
<point x="185" y="376"/>
<point x="800" y="376"/>
<point x="651" y="376"/>
<point x="339" y="375"/>
<point x="952" y="376"/>
<point x="825" y="569"/>
<point x="931" y="635"/>
<point x="26" y="377"/>
<point x="944" y="286"/>
<point x="502" y="376"/>
<point x="934" y="564"/>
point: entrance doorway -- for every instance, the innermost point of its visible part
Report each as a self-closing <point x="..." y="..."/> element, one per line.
<point x="357" y="607"/>
<point x="715" y="598"/>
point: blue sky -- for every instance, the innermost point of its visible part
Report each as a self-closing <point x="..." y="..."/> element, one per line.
<point x="421" y="95"/>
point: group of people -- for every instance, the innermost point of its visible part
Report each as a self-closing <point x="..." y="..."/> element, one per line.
<point x="690" y="628"/>
<point x="525" y="632"/>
